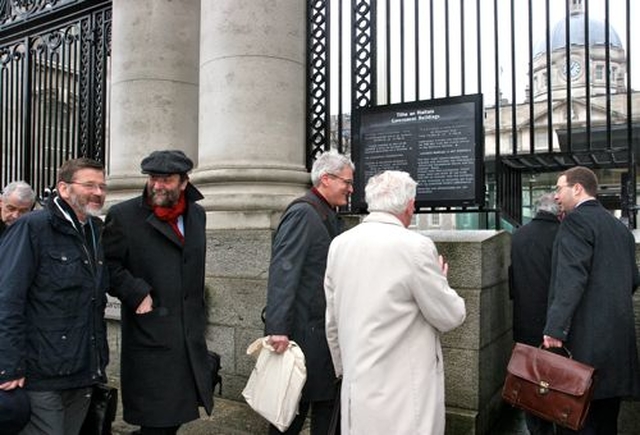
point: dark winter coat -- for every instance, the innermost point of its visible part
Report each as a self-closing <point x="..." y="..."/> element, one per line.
<point x="164" y="366"/>
<point x="52" y="299"/>
<point x="590" y="302"/>
<point x="530" y="275"/>
<point x="296" y="302"/>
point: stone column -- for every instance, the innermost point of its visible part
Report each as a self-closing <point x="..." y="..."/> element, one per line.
<point x="154" y="85"/>
<point x="252" y="111"/>
<point x="251" y="159"/>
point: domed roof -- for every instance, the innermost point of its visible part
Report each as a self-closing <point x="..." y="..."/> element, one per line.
<point x="577" y="34"/>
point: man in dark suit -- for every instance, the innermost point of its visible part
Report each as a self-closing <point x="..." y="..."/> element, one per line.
<point x="529" y="276"/>
<point x="296" y="302"/>
<point x="594" y="275"/>
<point x="155" y="250"/>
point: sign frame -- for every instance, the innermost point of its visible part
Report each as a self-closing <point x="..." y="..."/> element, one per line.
<point x="439" y="136"/>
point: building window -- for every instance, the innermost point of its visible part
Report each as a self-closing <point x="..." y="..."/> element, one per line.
<point x="599" y="75"/>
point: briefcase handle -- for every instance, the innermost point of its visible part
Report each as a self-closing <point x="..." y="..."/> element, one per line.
<point x="551" y="349"/>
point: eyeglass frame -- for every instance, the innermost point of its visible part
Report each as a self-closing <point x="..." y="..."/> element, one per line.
<point x="559" y="188"/>
<point x="91" y="186"/>
<point x="344" y="180"/>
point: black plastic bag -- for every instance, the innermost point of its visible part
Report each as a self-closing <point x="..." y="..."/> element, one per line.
<point x="102" y="411"/>
<point x="214" y="363"/>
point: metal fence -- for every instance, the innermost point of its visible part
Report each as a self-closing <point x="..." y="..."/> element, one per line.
<point x="54" y="62"/>
<point x="556" y="78"/>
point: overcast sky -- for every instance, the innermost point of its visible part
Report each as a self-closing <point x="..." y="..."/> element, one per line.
<point x="557" y="8"/>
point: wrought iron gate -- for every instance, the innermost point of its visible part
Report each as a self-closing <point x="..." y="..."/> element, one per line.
<point x="54" y="66"/>
<point x="579" y="106"/>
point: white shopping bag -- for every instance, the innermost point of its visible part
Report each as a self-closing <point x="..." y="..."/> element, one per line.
<point x="275" y="385"/>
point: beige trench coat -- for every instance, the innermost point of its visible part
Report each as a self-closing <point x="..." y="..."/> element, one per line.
<point x="387" y="303"/>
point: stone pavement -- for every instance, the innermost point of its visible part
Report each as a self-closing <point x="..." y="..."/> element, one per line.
<point x="235" y="418"/>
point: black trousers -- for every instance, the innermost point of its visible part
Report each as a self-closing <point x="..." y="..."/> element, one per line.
<point x="320" y="418"/>
<point x="602" y="419"/>
<point x="538" y="426"/>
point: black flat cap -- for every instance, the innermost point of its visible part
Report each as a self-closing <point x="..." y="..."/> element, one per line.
<point x="15" y="410"/>
<point x="166" y="162"/>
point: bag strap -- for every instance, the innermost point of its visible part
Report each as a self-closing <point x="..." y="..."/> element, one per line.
<point x="323" y="216"/>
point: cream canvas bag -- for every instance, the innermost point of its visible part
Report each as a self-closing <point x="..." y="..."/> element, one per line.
<point x="275" y="385"/>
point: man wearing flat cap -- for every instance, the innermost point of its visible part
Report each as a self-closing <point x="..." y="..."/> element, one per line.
<point x="155" y="251"/>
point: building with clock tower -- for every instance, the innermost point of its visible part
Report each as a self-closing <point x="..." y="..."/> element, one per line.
<point x="579" y="81"/>
<point x="584" y="59"/>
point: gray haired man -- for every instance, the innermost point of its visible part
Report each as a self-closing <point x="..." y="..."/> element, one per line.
<point x="529" y="278"/>
<point x="295" y="295"/>
<point x="17" y="199"/>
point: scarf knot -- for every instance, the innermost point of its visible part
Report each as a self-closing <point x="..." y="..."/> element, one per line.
<point x="171" y="214"/>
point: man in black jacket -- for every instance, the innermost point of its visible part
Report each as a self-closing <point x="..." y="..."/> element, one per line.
<point x="296" y="303"/>
<point x="52" y="297"/>
<point x="155" y="246"/>
<point x="529" y="276"/>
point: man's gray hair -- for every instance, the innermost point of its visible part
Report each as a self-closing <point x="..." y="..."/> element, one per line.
<point x="329" y="162"/>
<point x="390" y="191"/>
<point x="22" y="189"/>
<point x="546" y="202"/>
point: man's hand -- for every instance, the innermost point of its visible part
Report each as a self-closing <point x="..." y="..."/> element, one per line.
<point x="10" y="385"/>
<point x="146" y="306"/>
<point x="280" y="343"/>
<point x="444" y="266"/>
<point x="548" y="342"/>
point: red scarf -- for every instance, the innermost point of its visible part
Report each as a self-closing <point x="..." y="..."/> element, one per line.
<point x="171" y="214"/>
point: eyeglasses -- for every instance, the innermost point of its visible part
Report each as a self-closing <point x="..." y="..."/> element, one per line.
<point x="559" y="188"/>
<point x="344" y="180"/>
<point x="92" y="186"/>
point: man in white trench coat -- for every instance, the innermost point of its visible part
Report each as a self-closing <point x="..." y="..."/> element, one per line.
<point x="388" y="300"/>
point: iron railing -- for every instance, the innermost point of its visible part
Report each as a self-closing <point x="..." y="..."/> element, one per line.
<point x="557" y="85"/>
<point x="54" y="58"/>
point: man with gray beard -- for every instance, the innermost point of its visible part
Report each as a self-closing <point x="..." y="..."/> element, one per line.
<point x="155" y="250"/>
<point x="53" y="285"/>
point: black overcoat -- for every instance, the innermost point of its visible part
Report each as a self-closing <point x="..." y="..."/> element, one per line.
<point x="165" y="373"/>
<point x="296" y="303"/>
<point x="530" y="274"/>
<point x="593" y="278"/>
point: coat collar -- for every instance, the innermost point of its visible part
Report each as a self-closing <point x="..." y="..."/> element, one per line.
<point x="546" y="216"/>
<point x="383" y="218"/>
<point x="191" y="194"/>
<point x="63" y="218"/>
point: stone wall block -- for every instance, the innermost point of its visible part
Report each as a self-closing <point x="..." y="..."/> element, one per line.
<point x="466" y="336"/>
<point x="238" y="302"/>
<point x="221" y="339"/>
<point x="244" y="337"/>
<point x="461" y="378"/>
<point x="239" y="253"/>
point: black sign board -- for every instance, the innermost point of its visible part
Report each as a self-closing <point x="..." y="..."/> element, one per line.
<point x="440" y="143"/>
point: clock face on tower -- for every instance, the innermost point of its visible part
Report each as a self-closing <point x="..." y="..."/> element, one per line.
<point x="575" y="68"/>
